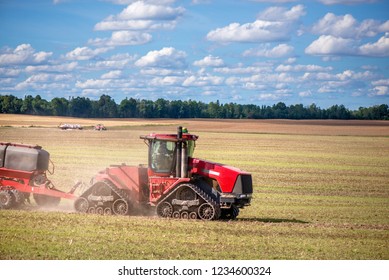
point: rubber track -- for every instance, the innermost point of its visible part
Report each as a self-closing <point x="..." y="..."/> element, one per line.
<point x="202" y="194"/>
<point x="121" y="193"/>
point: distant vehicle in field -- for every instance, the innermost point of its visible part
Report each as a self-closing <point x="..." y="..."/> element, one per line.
<point x="67" y="126"/>
<point x="100" y="127"/>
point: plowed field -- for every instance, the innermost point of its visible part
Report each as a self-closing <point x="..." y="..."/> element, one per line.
<point x="321" y="191"/>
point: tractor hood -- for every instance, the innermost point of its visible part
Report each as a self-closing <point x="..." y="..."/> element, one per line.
<point x="230" y="179"/>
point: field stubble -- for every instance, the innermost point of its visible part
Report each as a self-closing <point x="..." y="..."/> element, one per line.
<point x="318" y="196"/>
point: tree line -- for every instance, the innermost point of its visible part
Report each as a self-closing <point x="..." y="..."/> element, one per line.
<point x="106" y="107"/>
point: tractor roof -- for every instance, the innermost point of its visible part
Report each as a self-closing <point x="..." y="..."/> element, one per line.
<point x="170" y="137"/>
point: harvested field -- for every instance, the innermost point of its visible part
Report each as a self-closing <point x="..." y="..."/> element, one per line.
<point x="321" y="191"/>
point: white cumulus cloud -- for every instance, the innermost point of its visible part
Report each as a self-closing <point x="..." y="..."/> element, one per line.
<point x="59" y="68"/>
<point x="379" y="48"/>
<point x="274" y="24"/>
<point x="117" y="61"/>
<point x="166" y="81"/>
<point x="282" y="13"/>
<point x="23" y="54"/>
<point x="134" y="25"/>
<point x="306" y="93"/>
<point x="122" y="38"/>
<point x="167" y="57"/>
<point x="273" y="96"/>
<point x="342" y="35"/>
<point x="85" y="53"/>
<point x="143" y="10"/>
<point x="382" y="82"/>
<point x="257" y="31"/>
<point x="302" y="68"/>
<point x="45" y="81"/>
<point x="143" y="15"/>
<point x="346" y="26"/>
<point x="202" y="80"/>
<point x="331" y="45"/>
<point x="381" y="90"/>
<point x="114" y="74"/>
<point x="7" y="72"/>
<point x="209" y="61"/>
<point x="93" y="83"/>
<point x="281" y="50"/>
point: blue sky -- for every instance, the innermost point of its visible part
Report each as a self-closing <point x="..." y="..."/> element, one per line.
<point x="260" y="52"/>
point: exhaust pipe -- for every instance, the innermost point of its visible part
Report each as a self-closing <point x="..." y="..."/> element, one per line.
<point x="179" y="152"/>
<point x="182" y="156"/>
<point x="184" y="161"/>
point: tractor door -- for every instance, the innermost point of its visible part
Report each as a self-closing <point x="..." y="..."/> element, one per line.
<point x="162" y="157"/>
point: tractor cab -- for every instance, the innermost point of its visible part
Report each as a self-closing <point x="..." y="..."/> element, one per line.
<point x="169" y="153"/>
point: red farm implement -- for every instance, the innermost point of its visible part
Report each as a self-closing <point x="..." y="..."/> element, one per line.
<point x="23" y="172"/>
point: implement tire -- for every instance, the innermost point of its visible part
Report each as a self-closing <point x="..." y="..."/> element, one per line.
<point x="7" y="199"/>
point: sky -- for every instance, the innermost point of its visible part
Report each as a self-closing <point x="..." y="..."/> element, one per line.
<point x="327" y="52"/>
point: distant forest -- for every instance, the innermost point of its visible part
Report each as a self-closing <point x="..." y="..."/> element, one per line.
<point x="106" y="107"/>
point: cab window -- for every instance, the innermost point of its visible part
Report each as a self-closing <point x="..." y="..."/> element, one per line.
<point x="191" y="146"/>
<point x="162" y="156"/>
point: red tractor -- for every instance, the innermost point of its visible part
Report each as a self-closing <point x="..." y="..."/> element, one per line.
<point x="23" y="172"/>
<point x="174" y="183"/>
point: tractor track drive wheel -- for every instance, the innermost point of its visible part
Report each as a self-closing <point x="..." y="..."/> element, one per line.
<point x="165" y="210"/>
<point x="120" y="207"/>
<point x="207" y="212"/>
<point x="81" y="205"/>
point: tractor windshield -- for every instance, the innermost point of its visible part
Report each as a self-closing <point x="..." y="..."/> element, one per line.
<point x="162" y="156"/>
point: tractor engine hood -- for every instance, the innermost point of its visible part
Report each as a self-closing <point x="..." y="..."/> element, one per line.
<point x="230" y="179"/>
